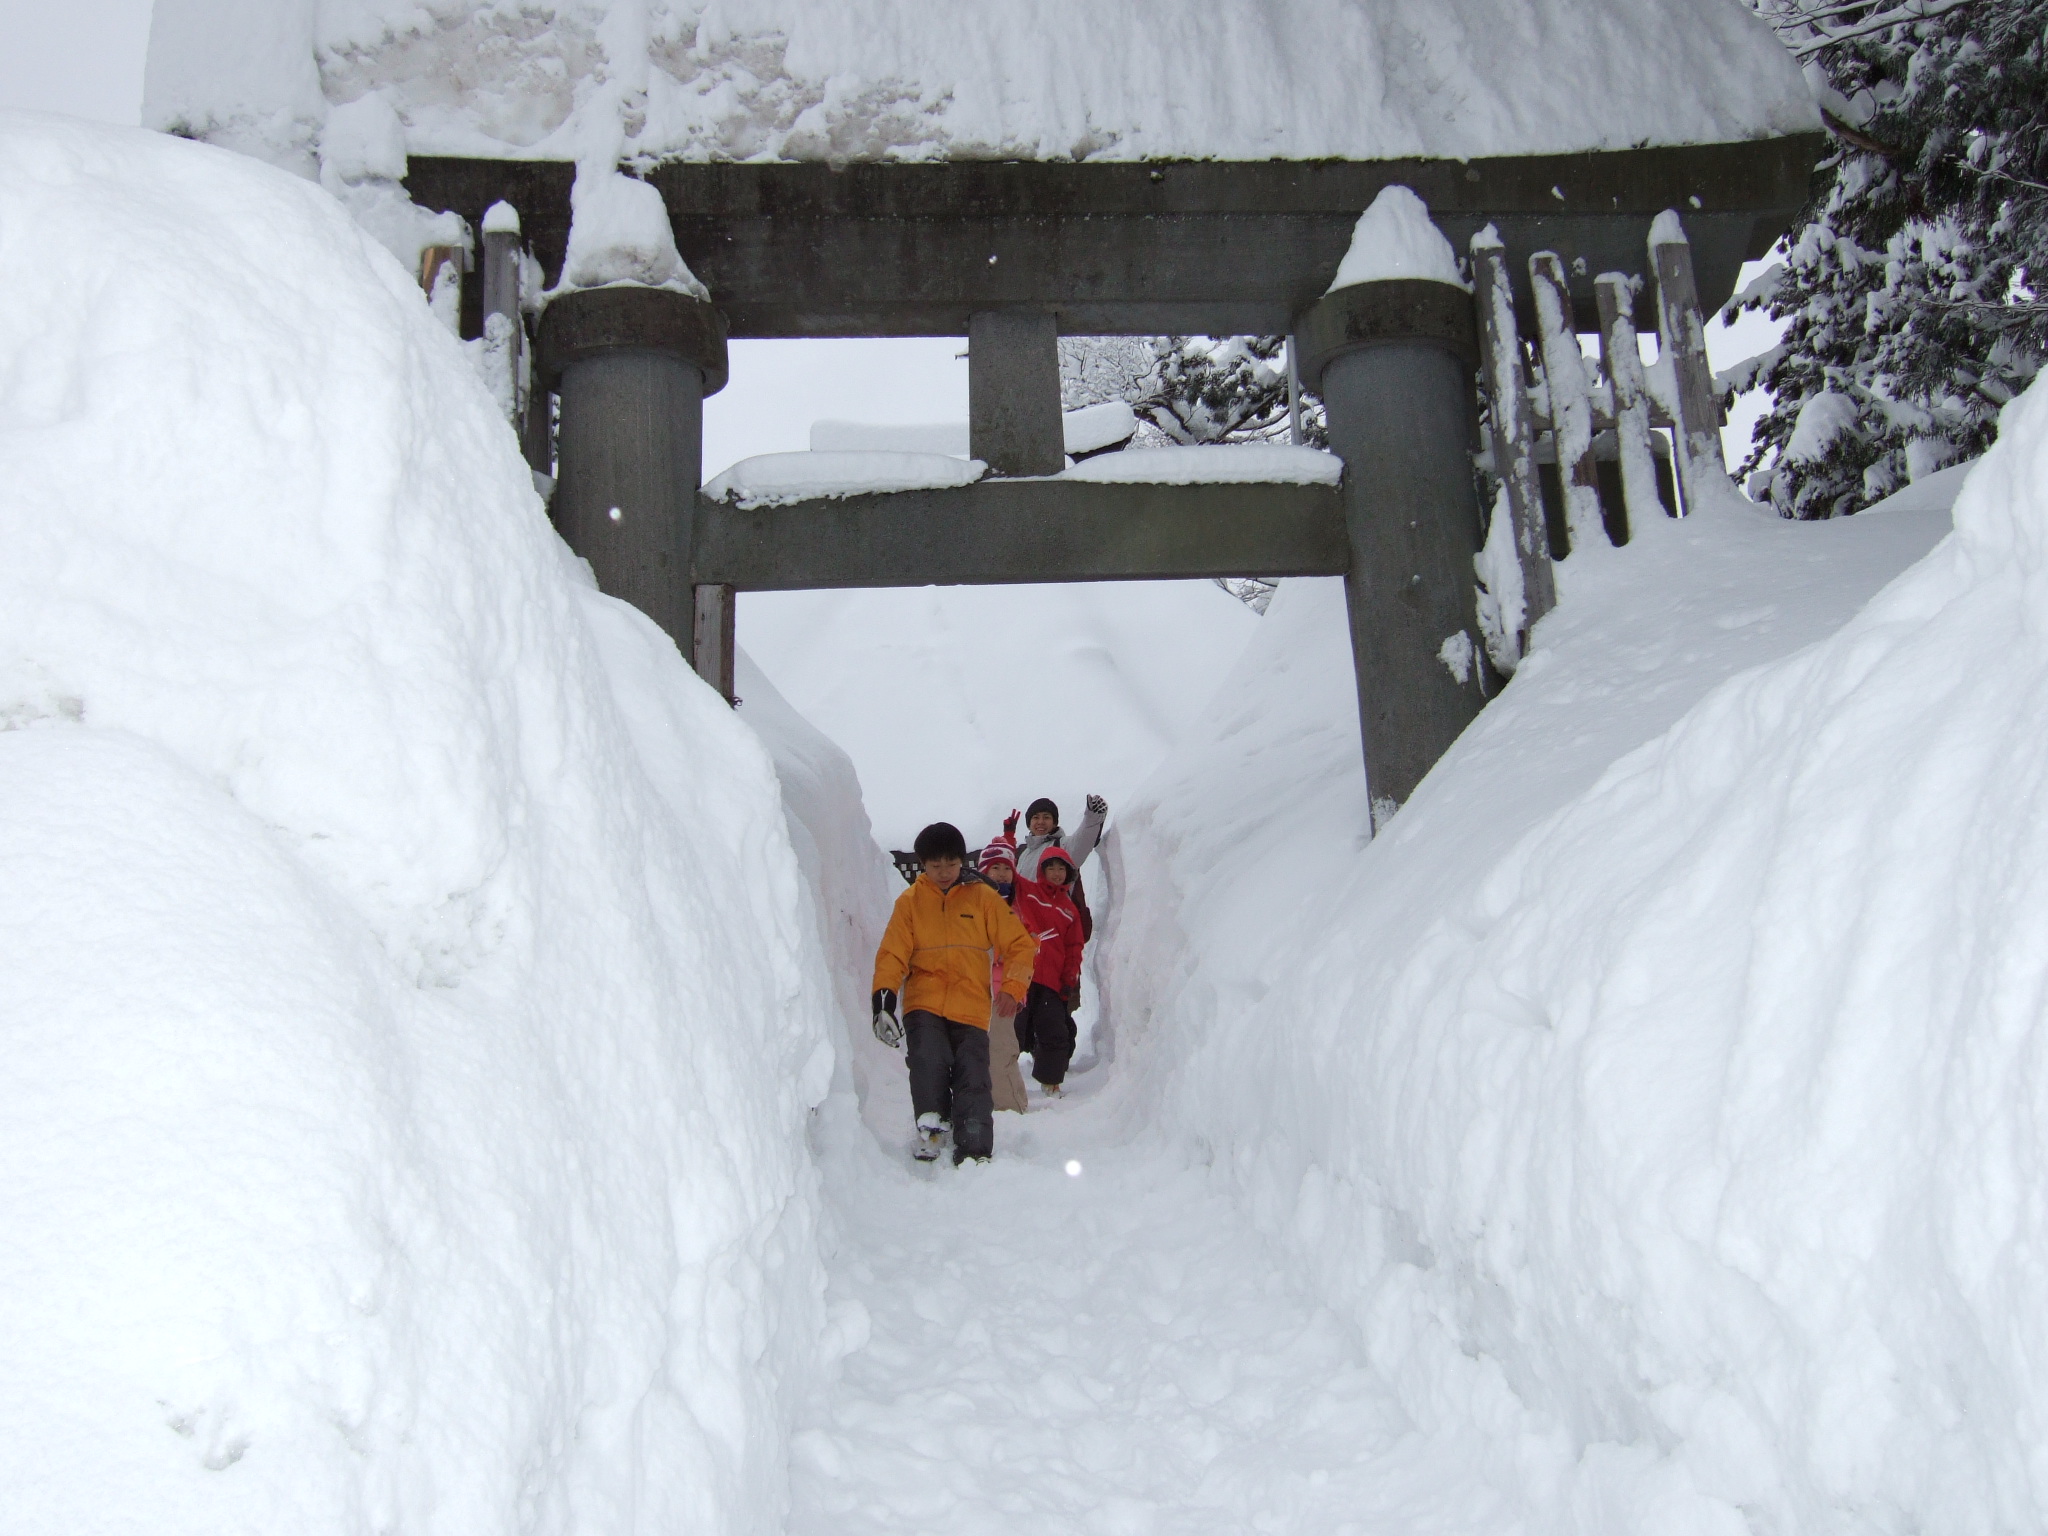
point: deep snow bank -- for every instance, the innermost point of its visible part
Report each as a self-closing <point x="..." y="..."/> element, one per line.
<point x="411" y="1009"/>
<point x="1663" y="1094"/>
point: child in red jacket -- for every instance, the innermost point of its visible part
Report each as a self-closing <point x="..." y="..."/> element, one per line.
<point x="1045" y="1025"/>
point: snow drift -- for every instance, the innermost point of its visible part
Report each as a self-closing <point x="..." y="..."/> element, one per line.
<point x="962" y="703"/>
<point x="943" y="79"/>
<point x="412" y="1001"/>
<point x="1662" y="1095"/>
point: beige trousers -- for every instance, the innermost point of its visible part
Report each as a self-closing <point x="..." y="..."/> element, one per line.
<point x="1005" y="1080"/>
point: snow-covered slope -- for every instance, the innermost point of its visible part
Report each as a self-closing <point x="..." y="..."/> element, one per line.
<point x="412" y="1006"/>
<point x="980" y="79"/>
<point x="1662" y="1096"/>
<point x="963" y="703"/>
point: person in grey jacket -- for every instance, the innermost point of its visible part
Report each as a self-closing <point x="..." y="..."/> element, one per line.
<point x="1042" y="826"/>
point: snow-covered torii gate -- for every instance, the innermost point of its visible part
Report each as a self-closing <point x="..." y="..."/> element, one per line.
<point x="1014" y="252"/>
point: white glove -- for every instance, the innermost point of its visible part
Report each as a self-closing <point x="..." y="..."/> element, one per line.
<point x="1098" y="805"/>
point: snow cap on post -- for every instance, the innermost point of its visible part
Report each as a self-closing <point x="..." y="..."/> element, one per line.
<point x="363" y="140"/>
<point x="501" y="218"/>
<point x="1396" y="238"/>
<point x="619" y="233"/>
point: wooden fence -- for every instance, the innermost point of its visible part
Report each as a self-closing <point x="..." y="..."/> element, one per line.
<point x="1575" y="452"/>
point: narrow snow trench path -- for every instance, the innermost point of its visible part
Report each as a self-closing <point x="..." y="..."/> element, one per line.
<point x="1107" y="1350"/>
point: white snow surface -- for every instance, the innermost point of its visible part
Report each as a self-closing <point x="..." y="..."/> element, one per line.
<point x="1661" y="1097"/>
<point x="940" y="79"/>
<point x="1214" y="464"/>
<point x="963" y="703"/>
<point x="619" y="233"/>
<point x="777" y="479"/>
<point x="1097" y="426"/>
<point x="412" y="1006"/>
<point x="1396" y="238"/>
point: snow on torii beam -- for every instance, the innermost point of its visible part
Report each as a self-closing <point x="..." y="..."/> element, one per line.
<point x="1193" y="248"/>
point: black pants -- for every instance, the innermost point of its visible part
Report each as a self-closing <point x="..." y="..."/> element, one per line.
<point x="949" y="1078"/>
<point x="1046" y="1023"/>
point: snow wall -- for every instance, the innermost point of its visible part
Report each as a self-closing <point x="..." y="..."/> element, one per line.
<point x="413" y="1004"/>
<point x="842" y="80"/>
<point x="1663" y="1095"/>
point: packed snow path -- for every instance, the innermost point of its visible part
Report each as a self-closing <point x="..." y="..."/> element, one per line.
<point x="1108" y="1350"/>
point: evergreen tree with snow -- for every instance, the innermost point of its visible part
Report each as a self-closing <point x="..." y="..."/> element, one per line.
<point x="1189" y="390"/>
<point x="1913" y="287"/>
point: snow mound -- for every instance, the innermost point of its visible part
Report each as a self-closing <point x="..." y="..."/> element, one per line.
<point x="619" y="233"/>
<point x="412" y="1008"/>
<point x="956" y="703"/>
<point x="1662" y="1094"/>
<point x="1095" y="427"/>
<point x="1214" y="464"/>
<point x="777" y="479"/>
<point x="942" y="79"/>
<point x="1396" y="238"/>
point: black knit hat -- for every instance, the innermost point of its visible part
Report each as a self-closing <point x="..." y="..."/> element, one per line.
<point x="1041" y="804"/>
<point x="940" y="840"/>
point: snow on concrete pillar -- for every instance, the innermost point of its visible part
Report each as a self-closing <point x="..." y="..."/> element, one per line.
<point x="631" y="344"/>
<point x="632" y="367"/>
<point x="1013" y="392"/>
<point x="1392" y="349"/>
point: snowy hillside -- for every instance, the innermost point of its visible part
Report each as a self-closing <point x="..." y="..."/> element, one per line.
<point x="1661" y="1098"/>
<point x="964" y="703"/>
<point x="993" y="79"/>
<point x="412" y="1005"/>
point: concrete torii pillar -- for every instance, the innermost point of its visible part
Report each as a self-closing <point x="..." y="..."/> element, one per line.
<point x="1394" y="362"/>
<point x="632" y="366"/>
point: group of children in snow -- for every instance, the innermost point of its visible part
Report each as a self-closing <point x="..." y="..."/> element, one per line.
<point x="987" y="964"/>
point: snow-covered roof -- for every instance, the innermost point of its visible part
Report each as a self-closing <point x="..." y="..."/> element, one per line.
<point x="854" y="80"/>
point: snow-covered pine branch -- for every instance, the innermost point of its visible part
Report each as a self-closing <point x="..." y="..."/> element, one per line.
<point x="1911" y="288"/>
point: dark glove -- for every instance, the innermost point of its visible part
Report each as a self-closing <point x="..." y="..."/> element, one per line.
<point x="1010" y="826"/>
<point x="1073" y="997"/>
<point x="888" y="1028"/>
<point x="1098" y="805"/>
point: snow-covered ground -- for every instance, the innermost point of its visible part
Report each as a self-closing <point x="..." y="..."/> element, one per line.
<point x="1481" y="1178"/>
<point x="1457" y="1182"/>
<point x="410" y="1012"/>
<point x="439" y="1092"/>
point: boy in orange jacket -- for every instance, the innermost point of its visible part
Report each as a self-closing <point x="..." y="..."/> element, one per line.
<point x="936" y="953"/>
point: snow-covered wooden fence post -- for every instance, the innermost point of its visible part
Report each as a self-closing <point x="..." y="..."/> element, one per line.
<point x="1394" y="358"/>
<point x="715" y="635"/>
<point x="1517" y="518"/>
<point x="1682" y="338"/>
<point x="504" y="334"/>
<point x="1571" y="401"/>
<point x="441" y="269"/>
<point x="1622" y="358"/>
